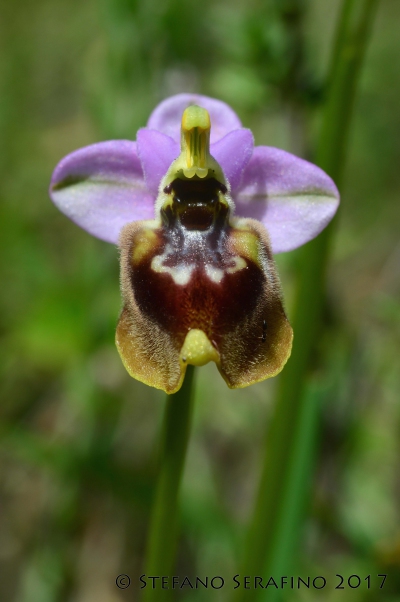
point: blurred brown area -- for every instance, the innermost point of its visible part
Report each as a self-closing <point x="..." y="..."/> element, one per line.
<point x="78" y="437"/>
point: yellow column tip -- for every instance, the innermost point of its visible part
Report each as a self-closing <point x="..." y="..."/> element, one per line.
<point x="195" y="117"/>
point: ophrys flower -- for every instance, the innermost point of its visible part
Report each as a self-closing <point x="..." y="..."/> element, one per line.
<point x="198" y="280"/>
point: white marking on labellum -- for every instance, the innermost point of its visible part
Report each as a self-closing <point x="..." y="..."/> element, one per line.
<point x="240" y="264"/>
<point x="214" y="274"/>
<point x="180" y="274"/>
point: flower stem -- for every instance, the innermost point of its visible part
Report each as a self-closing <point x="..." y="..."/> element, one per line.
<point x="291" y="439"/>
<point x="163" y="530"/>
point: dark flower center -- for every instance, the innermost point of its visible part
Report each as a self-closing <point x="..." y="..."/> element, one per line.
<point x="196" y="203"/>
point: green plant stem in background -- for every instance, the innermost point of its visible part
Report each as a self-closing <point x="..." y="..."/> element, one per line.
<point x="163" y="531"/>
<point x="290" y="445"/>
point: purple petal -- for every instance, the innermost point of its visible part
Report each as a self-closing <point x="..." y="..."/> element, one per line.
<point x="293" y="198"/>
<point x="167" y="116"/>
<point x="233" y="152"/>
<point x="101" y="188"/>
<point x="156" y="152"/>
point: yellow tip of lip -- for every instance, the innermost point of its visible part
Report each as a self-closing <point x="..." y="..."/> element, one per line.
<point x="197" y="349"/>
<point x="195" y="117"/>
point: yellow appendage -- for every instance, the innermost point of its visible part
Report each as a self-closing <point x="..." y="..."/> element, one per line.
<point x="197" y="349"/>
<point x="144" y="243"/>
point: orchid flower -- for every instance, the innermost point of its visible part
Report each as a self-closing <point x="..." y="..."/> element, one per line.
<point x="198" y="213"/>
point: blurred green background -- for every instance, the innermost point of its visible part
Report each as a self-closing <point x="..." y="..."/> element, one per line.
<point x="78" y="437"/>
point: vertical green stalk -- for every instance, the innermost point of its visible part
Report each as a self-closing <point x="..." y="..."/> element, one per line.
<point x="291" y="440"/>
<point x="163" y="530"/>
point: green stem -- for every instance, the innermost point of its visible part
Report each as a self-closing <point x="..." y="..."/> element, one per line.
<point x="163" y="530"/>
<point x="290" y="445"/>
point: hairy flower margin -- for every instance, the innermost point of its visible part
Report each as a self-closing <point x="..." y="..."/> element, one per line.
<point x="198" y="212"/>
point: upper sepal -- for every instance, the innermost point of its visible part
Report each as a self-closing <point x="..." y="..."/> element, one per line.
<point x="293" y="198"/>
<point x="101" y="188"/>
<point x="233" y="152"/>
<point x="167" y="116"/>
